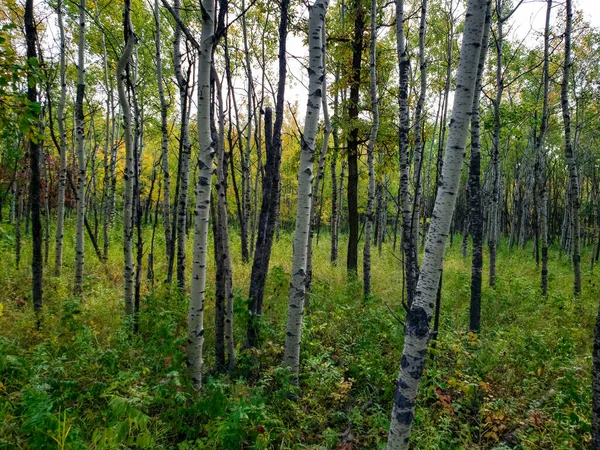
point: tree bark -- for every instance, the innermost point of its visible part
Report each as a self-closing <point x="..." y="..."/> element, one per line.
<point x="334" y="184"/>
<point x="540" y="156"/>
<point x="131" y="41"/>
<point x="164" y="143"/>
<point x="416" y="335"/>
<point x="62" y="177"/>
<point x="353" y="110"/>
<point x="570" y="154"/>
<point x="185" y="155"/>
<point x="408" y="242"/>
<point x="314" y="216"/>
<point x="248" y="144"/>
<point x="418" y="138"/>
<point x="203" y="191"/>
<point x="316" y="22"/>
<point x="81" y="161"/>
<point x="35" y="144"/>
<point x="270" y="194"/>
<point x="476" y="223"/>
<point x="370" y="153"/>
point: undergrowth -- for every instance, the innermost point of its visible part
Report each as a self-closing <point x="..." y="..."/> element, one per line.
<point x="83" y="381"/>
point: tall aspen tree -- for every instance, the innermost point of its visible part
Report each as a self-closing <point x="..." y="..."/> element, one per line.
<point x="35" y="146"/>
<point x="81" y="160"/>
<point x="476" y="222"/>
<point x="62" y="175"/>
<point x="316" y="73"/>
<point x="370" y="153"/>
<point x="573" y="184"/>
<point x="203" y="192"/>
<point x="416" y="331"/>
<point x="540" y="156"/>
<point x="130" y="43"/>
<point x="164" y="142"/>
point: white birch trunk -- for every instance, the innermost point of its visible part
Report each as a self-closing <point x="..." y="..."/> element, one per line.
<point x="62" y="177"/>
<point x="370" y="152"/>
<point x="540" y="156"/>
<point x="574" y="194"/>
<point x="164" y="143"/>
<point x="128" y="176"/>
<point x="202" y="209"/>
<point x="416" y="336"/>
<point x="186" y="150"/>
<point x="314" y="219"/>
<point x="81" y="163"/>
<point x="316" y="71"/>
<point x="106" y="198"/>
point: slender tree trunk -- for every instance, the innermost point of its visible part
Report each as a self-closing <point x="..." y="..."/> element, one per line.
<point x="19" y="218"/>
<point x="62" y="177"/>
<point x="540" y="166"/>
<point x="353" y="110"/>
<point x="334" y="185"/>
<point x="314" y="216"/>
<point x="34" y="158"/>
<point x="418" y="138"/>
<point x="475" y="184"/>
<point x="370" y="153"/>
<point x="316" y="22"/>
<point x="164" y="143"/>
<point x="416" y="336"/>
<point x="106" y="197"/>
<point x="203" y="189"/>
<point x="224" y="294"/>
<point x="571" y="156"/>
<point x="270" y="194"/>
<point x="186" y="151"/>
<point x="248" y="148"/>
<point x="46" y="175"/>
<point x="81" y="162"/>
<point x="129" y="175"/>
<point x="408" y="244"/>
<point x="494" y="234"/>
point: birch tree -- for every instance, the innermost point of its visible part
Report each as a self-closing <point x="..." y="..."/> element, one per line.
<point x="540" y="157"/>
<point x="35" y="146"/>
<point x="418" y="138"/>
<point x="353" y="137"/>
<point x="476" y="222"/>
<point x="130" y="43"/>
<point x="370" y="153"/>
<point x="185" y="151"/>
<point x="408" y="241"/>
<point x="62" y="177"/>
<point x="203" y="192"/>
<point x="320" y="172"/>
<point x="573" y="185"/>
<point x="164" y="143"/>
<point x="269" y="212"/>
<point x="416" y="332"/>
<point x="81" y="160"/>
<point x="316" y="72"/>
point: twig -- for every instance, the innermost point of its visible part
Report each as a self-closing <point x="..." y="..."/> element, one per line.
<point x="394" y="315"/>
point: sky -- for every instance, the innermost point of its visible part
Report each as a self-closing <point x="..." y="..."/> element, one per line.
<point x="526" y="25"/>
<point x="532" y="14"/>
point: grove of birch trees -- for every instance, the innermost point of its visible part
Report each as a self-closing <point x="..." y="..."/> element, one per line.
<point x="417" y="178"/>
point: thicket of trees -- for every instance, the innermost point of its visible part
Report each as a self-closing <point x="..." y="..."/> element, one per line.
<point x="442" y="123"/>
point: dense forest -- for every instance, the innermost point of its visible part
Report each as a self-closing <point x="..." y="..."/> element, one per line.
<point x="292" y="225"/>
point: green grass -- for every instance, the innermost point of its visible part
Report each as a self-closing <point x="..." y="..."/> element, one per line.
<point x="81" y="381"/>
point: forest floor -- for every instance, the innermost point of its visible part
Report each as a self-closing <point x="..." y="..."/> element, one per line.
<point x="82" y="381"/>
